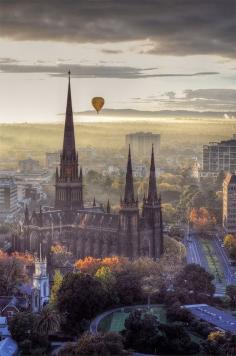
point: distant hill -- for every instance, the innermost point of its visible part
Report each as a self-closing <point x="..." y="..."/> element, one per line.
<point x="161" y="113"/>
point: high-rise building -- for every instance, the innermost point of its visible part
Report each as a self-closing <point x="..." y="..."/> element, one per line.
<point x="8" y="198"/>
<point x="29" y="165"/>
<point x="229" y="204"/>
<point x="217" y="157"/>
<point x="52" y="159"/>
<point x="141" y="142"/>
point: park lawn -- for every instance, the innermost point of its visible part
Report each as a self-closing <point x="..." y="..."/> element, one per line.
<point x="116" y="320"/>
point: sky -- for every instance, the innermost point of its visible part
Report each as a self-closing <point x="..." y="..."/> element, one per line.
<point x="137" y="54"/>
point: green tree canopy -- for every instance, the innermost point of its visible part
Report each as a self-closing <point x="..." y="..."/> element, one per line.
<point x="80" y="297"/>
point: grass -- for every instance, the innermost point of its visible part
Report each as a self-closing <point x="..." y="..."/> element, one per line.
<point x="212" y="261"/>
<point x="116" y="321"/>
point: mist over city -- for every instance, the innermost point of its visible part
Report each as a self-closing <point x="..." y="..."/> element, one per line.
<point x="117" y="177"/>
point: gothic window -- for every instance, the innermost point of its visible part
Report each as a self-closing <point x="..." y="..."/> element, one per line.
<point x="45" y="289"/>
<point x="36" y="301"/>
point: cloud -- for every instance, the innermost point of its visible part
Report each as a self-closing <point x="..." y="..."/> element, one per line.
<point x="111" y="51"/>
<point x="175" y="27"/>
<point x="7" y="60"/>
<point x="91" y="71"/>
<point x="201" y="99"/>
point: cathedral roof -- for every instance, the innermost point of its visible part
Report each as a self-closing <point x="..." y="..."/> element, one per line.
<point x="97" y="220"/>
<point x="90" y="217"/>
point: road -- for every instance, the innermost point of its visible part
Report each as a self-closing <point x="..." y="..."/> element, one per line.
<point x="196" y="254"/>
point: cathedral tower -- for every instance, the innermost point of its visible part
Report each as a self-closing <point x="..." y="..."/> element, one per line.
<point x="69" y="189"/>
<point x="129" y="217"/>
<point x="152" y="213"/>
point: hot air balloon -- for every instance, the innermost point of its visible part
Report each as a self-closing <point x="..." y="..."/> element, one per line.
<point x="98" y="103"/>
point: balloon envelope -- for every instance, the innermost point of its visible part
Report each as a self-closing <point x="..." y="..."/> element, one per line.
<point x="98" y="103"/>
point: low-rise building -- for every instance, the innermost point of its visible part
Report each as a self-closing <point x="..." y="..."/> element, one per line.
<point x="4" y="331"/>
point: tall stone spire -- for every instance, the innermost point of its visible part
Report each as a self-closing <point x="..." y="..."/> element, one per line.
<point x="129" y="185"/>
<point x="69" y="152"/>
<point x="152" y="187"/>
<point x="69" y="186"/>
<point x="108" y="207"/>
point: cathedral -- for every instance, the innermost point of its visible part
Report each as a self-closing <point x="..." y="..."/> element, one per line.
<point x="90" y="230"/>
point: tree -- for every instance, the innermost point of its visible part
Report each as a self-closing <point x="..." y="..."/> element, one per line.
<point x="12" y="272"/>
<point x="108" y="280"/>
<point x="169" y="213"/>
<point x="175" y="312"/>
<point x="23" y="330"/>
<point x="229" y="241"/>
<point x="128" y="287"/>
<point x="108" y="344"/>
<point x="48" y="322"/>
<point x="219" y="343"/>
<point x="150" y="285"/>
<point x="80" y="297"/>
<point x="232" y="252"/>
<point x="231" y="292"/>
<point x="178" y="341"/>
<point x="171" y="263"/>
<point x="142" y="332"/>
<point x="194" y="283"/>
<point x="197" y="200"/>
<point x="60" y="256"/>
<point x="202" y="218"/>
<point x="22" y="326"/>
<point x="88" y="265"/>
<point x="57" y="282"/>
<point x="105" y="276"/>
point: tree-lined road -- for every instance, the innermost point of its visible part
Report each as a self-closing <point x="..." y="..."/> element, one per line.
<point x="196" y="254"/>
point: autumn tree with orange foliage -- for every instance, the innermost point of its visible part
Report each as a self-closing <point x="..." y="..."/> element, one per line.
<point x="12" y="271"/>
<point x="60" y="256"/>
<point x="90" y="264"/>
<point x="202" y="219"/>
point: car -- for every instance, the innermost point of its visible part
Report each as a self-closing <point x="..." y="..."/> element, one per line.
<point x="222" y="245"/>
